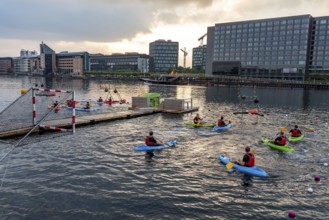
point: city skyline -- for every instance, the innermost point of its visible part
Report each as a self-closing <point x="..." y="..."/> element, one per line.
<point x="117" y="26"/>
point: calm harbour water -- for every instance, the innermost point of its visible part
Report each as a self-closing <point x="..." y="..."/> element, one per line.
<point x="95" y="174"/>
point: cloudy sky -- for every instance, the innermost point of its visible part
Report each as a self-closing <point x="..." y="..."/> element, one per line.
<point x="112" y="26"/>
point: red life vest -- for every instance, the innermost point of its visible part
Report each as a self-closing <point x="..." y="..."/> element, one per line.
<point x="147" y="141"/>
<point x="251" y="161"/>
<point x="294" y="133"/>
<point x="283" y="141"/>
<point x="220" y="123"/>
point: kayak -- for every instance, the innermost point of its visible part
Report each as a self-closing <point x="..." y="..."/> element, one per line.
<point x="252" y="171"/>
<point x="144" y="147"/>
<point x="295" y="139"/>
<point x="221" y="128"/>
<point x="82" y="109"/>
<point x="191" y="123"/>
<point x="99" y="103"/>
<point x="277" y="147"/>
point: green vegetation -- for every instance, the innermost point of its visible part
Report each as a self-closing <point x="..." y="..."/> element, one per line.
<point x="319" y="78"/>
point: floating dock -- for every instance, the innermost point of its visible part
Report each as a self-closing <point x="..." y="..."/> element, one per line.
<point x="86" y="120"/>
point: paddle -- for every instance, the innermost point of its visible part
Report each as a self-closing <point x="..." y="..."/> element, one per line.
<point x="231" y="164"/>
<point x="243" y="113"/>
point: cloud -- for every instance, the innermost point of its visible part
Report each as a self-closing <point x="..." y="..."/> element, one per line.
<point x="85" y="20"/>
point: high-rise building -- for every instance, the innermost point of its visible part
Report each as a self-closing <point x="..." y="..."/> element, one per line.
<point x="165" y="55"/>
<point x="286" y="47"/>
<point x="199" y="57"/>
<point x="127" y="61"/>
<point x="47" y="59"/>
<point x="319" y="50"/>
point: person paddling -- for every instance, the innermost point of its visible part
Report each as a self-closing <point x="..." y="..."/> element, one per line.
<point x="295" y="132"/>
<point x="221" y="122"/>
<point x="281" y="140"/>
<point x="88" y="106"/>
<point x="248" y="159"/>
<point x="100" y="99"/>
<point x="197" y="120"/>
<point x="151" y="141"/>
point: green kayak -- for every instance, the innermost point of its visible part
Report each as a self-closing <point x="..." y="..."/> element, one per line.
<point x="295" y="139"/>
<point x="277" y="147"/>
<point x="191" y="123"/>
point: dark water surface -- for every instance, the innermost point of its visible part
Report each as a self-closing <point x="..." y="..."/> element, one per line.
<point x="95" y="174"/>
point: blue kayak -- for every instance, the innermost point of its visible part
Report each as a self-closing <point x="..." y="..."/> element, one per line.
<point x="99" y="103"/>
<point x="221" y="128"/>
<point x="82" y="109"/>
<point x="144" y="147"/>
<point x="252" y="171"/>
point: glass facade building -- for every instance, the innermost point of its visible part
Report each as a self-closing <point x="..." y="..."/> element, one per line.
<point x="128" y="61"/>
<point x="285" y="48"/>
<point x="47" y="59"/>
<point x="199" y="57"/>
<point x="165" y="55"/>
<point x="319" y="50"/>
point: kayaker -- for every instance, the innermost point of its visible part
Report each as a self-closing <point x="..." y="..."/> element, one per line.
<point x="55" y="103"/>
<point x="110" y="101"/>
<point x="197" y="119"/>
<point x="295" y="132"/>
<point x="150" y="141"/>
<point x="88" y="106"/>
<point x="100" y="99"/>
<point x="248" y="159"/>
<point x="221" y="122"/>
<point x="281" y="140"/>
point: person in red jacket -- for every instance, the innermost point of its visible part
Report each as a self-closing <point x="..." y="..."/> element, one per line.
<point x="248" y="159"/>
<point x="197" y="119"/>
<point x="150" y="141"/>
<point x="295" y="132"/>
<point x="281" y="140"/>
<point x="221" y="122"/>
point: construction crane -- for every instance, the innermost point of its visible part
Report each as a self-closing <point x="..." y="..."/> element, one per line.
<point x="185" y="54"/>
<point x="201" y="39"/>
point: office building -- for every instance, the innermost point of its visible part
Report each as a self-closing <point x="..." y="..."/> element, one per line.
<point x="199" y="57"/>
<point x="6" y="65"/>
<point x="22" y="65"/>
<point x="319" y="49"/>
<point x="47" y="59"/>
<point x="283" y="48"/>
<point x="124" y="62"/>
<point x="28" y="53"/>
<point x="165" y="55"/>
<point x="72" y="63"/>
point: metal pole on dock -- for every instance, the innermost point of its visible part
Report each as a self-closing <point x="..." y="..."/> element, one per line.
<point x="73" y="112"/>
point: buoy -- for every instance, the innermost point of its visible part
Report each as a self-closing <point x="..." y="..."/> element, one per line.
<point x="292" y="214"/>
<point x="317" y="178"/>
<point x="23" y="91"/>
<point x="310" y="190"/>
<point x="325" y="164"/>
